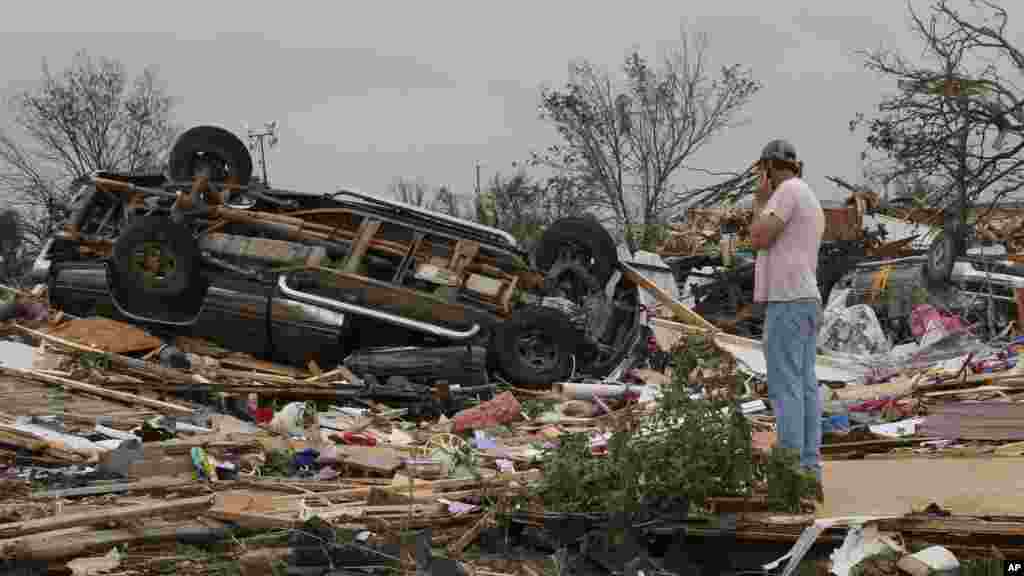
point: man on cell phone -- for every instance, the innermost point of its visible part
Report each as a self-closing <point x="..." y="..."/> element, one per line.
<point x="787" y="231"/>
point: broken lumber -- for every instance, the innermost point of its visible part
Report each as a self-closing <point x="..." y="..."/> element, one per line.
<point x="149" y="369"/>
<point x="678" y="309"/>
<point x="991" y="420"/>
<point x="66" y="544"/>
<point x="455" y="548"/>
<point x="147" y="484"/>
<point x="108" y="334"/>
<point x="126" y="397"/>
<point x="55" y="447"/>
<point x="253" y="365"/>
<point x="15" y="529"/>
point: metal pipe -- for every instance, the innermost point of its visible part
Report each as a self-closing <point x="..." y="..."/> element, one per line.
<point x="338" y="305"/>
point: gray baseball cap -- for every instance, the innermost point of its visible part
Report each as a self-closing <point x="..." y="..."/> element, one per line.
<point x="779" y="150"/>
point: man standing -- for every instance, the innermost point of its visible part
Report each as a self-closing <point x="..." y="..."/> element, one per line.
<point x="787" y="231"/>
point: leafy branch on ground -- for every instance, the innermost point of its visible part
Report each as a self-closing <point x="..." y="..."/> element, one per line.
<point x="98" y="360"/>
<point x="693" y="447"/>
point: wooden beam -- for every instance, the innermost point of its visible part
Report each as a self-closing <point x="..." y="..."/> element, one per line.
<point x="148" y="484"/>
<point x="76" y="542"/>
<point x="15" y="529"/>
<point x="464" y="253"/>
<point x="152" y="369"/>
<point x="683" y="313"/>
<point x="165" y="407"/>
<point x="367" y="230"/>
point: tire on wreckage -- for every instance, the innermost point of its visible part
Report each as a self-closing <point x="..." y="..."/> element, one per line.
<point x="175" y="297"/>
<point x="538" y="345"/>
<point x="535" y="347"/>
<point x="220" y="149"/>
<point x="584" y="235"/>
<point x="174" y="292"/>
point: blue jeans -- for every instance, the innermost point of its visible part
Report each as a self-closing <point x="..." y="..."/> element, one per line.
<point x="790" y="350"/>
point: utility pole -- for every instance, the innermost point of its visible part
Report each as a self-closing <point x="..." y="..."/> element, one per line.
<point x="478" y="179"/>
<point x="256" y="140"/>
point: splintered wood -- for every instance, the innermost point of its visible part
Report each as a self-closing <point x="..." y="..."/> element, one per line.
<point x="106" y="334"/>
<point x="976" y="421"/>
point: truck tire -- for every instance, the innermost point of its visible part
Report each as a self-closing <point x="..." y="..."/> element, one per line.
<point x="228" y="152"/>
<point x="177" y="290"/>
<point x="179" y="255"/>
<point x="584" y="234"/>
<point x="555" y="339"/>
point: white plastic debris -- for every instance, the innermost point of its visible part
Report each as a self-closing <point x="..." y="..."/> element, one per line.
<point x="851" y="330"/>
<point x="810" y="535"/>
<point x="94" y="565"/>
<point x="290" y="419"/>
<point x="897" y="429"/>
<point x="931" y="560"/>
<point x="860" y="543"/>
<point x="17" y="355"/>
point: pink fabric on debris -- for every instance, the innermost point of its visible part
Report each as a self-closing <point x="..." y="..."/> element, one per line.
<point x="924" y="314"/>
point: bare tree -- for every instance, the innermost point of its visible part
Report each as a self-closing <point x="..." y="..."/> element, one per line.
<point x="954" y="129"/>
<point x="85" y="119"/>
<point x="414" y="192"/>
<point x="626" y="141"/>
<point x="449" y="202"/>
<point x="523" y="207"/>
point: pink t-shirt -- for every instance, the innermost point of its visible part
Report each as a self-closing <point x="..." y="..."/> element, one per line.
<point x="788" y="269"/>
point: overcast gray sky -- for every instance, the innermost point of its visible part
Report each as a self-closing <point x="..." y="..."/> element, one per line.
<point x="366" y="92"/>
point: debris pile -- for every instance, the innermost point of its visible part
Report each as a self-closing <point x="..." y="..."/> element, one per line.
<point x="125" y="452"/>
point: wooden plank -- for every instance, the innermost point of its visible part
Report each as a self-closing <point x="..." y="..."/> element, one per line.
<point x="868" y="445"/>
<point x="97" y="390"/>
<point x="16" y="529"/>
<point x="683" y="313"/>
<point x="380" y="459"/>
<point x="464" y="253"/>
<point x="152" y="369"/>
<point x="258" y="376"/>
<point x="64" y="545"/>
<point x="455" y="548"/>
<point x="262" y="366"/>
<point x="505" y="298"/>
<point x="107" y="334"/>
<point x="120" y="487"/>
<point x="990" y="420"/>
<point x="367" y="230"/>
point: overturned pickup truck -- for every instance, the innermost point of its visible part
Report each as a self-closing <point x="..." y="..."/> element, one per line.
<point x="202" y="251"/>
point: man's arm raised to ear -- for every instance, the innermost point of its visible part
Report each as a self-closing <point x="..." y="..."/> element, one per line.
<point x="765" y="229"/>
<point x="772" y="218"/>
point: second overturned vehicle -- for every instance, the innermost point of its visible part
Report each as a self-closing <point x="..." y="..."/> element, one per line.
<point x="203" y="250"/>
